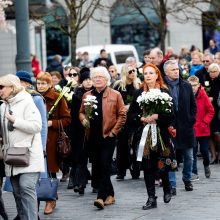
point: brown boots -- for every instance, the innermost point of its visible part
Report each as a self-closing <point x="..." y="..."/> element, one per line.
<point x="50" y="206"/>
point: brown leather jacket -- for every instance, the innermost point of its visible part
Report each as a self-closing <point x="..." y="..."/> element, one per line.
<point x="113" y="111"/>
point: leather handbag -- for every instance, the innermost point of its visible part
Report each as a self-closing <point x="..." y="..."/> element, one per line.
<point x="64" y="148"/>
<point x="46" y="188"/>
<point x="18" y="156"/>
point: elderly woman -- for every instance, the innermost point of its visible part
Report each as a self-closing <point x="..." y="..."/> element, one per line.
<point x="21" y="124"/>
<point x="104" y="126"/>
<point x="152" y="157"/>
<point x="127" y="86"/>
<point x="61" y="113"/>
<point x="214" y="143"/>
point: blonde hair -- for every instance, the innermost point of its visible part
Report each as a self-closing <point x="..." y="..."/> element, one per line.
<point x="193" y="79"/>
<point x="199" y="54"/>
<point x="11" y="81"/>
<point x="124" y="79"/>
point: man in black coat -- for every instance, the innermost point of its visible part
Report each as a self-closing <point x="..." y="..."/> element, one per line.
<point x="203" y="74"/>
<point x="185" y="117"/>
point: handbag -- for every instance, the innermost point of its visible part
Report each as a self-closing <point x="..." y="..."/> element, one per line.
<point x="17" y="156"/>
<point x="8" y="186"/>
<point x="64" y="148"/>
<point x="46" y="188"/>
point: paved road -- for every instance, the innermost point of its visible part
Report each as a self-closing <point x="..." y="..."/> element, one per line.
<point x="201" y="204"/>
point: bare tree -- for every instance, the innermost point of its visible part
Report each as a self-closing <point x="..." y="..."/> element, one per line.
<point x="180" y="9"/>
<point x="79" y="12"/>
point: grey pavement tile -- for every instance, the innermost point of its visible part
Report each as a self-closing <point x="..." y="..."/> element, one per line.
<point x="203" y="203"/>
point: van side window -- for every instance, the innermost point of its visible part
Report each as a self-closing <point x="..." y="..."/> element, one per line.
<point x="121" y="56"/>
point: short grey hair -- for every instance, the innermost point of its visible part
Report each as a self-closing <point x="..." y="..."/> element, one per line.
<point x="213" y="66"/>
<point x="158" y="51"/>
<point x="169" y="62"/>
<point x="130" y="60"/>
<point x="103" y="71"/>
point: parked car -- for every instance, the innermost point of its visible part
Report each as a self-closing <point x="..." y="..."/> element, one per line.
<point x="116" y="52"/>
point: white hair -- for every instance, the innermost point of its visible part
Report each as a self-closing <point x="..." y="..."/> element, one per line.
<point x="103" y="71"/>
<point x="213" y="66"/>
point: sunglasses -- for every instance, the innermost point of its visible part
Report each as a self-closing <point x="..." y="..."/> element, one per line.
<point x="206" y="61"/>
<point x="131" y="71"/>
<point x="1" y="87"/>
<point x="73" y="74"/>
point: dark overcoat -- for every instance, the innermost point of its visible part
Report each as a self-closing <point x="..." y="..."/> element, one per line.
<point x="77" y="130"/>
<point x="185" y="117"/>
<point x="61" y="113"/>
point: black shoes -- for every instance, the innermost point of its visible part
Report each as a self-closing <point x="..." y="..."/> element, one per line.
<point x="151" y="203"/>
<point x="188" y="186"/>
<point x="167" y="197"/>
<point x="173" y="191"/>
<point x="207" y="172"/>
<point x="79" y="189"/>
<point x="70" y="183"/>
<point x="120" y="177"/>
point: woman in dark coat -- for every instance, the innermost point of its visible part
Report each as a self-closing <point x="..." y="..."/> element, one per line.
<point x="79" y="171"/>
<point x="127" y="86"/>
<point x="44" y="86"/>
<point x="156" y="158"/>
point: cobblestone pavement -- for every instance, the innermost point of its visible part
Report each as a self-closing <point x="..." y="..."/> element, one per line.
<point x="203" y="203"/>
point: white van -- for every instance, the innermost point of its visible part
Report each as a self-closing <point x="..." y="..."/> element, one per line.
<point x="116" y="52"/>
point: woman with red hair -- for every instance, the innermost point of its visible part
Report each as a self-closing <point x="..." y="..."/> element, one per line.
<point x="156" y="158"/>
<point x="61" y="113"/>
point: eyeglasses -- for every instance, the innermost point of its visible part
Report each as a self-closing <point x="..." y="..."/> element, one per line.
<point x="131" y="71"/>
<point x="1" y="87"/>
<point x="42" y="84"/>
<point x="206" y="61"/>
<point x="73" y="74"/>
<point x="98" y="77"/>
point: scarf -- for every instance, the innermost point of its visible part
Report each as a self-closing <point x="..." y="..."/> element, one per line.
<point x="174" y="90"/>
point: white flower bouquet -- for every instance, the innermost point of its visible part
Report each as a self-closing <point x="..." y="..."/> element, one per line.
<point x="155" y="102"/>
<point x="152" y="102"/>
<point x="90" y="104"/>
<point x="70" y="84"/>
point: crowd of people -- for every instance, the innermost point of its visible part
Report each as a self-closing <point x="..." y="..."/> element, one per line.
<point x="101" y="114"/>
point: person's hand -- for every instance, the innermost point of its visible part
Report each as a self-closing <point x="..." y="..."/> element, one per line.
<point x="172" y="131"/>
<point x="151" y="119"/>
<point x="49" y="123"/>
<point x="10" y="117"/>
<point x="85" y="123"/>
<point x="111" y="134"/>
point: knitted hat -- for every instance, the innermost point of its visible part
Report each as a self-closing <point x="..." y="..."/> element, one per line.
<point x="24" y="76"/>
<point x="84" y="74"/>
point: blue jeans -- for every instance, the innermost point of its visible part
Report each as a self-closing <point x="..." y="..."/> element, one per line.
<point x="204" y="149"/>
<point x="187" y="155"/>
<point x="24" y="186"/>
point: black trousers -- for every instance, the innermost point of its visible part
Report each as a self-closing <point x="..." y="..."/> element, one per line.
<point x="150" y="171"/>
<point x="102" y="152"/>
<point x="122" y="156"/>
